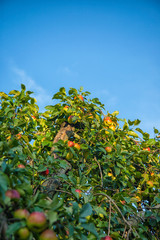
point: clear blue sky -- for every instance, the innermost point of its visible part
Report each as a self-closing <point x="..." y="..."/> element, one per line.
<point x="111" y="48"/>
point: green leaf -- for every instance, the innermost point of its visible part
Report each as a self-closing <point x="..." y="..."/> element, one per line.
<point x="117" y="171"/>
<point x="14" y="227"/>
<point x="91" y="228"/>
<point x="23" y="87"/>
<point x="52" y="216"/>
<point x="4" y="181"/>
<point x="100" y="210"/>
<point x="86" y="210"/>
<point x="132" y="133"/>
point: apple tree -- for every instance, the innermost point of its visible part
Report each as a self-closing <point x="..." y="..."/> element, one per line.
<point x="75" y="171"/>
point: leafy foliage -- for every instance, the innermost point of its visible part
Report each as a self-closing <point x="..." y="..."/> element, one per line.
<point x="118" y="190"/>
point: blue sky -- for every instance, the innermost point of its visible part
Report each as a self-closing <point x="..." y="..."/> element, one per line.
<point x="111" y="48"/>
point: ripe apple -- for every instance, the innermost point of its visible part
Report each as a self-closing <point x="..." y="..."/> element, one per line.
<point x="48" y="234"/>
<point x="23" y="233"/>
<point x="108" y="149"/>
<point x="45" y="173"/>
<point x="150" y="183"/>
<point x="37" y="221"/>
<point x="33" y="117"/>
<point x="147" y="149"/>
<point x="106" y="238"/>
<point x="70" y="144"/>
<point x="66" y="108"/>
<point x="80" y="97"/>
<point x="21" y="214"/>
<point x="78" y="191"/>
<point x="70" y="119"/>
<point x="107" y="120"/>
<point x="76" y="145"/>
<point x="21" y="166"/>
<point x="12" y="194"/>
<point x="19" y="136"/>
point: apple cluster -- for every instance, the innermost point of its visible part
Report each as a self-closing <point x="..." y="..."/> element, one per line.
<point x="35" y="222"/>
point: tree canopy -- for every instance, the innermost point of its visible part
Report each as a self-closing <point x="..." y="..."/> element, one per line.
<point x="86" y="173"/>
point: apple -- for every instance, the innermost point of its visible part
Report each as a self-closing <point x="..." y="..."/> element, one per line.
<point x="70" y="144"/>
<point x="66" y="108"/>
<point x="37" y="221"/>
<point x="23" y="233"/>
<point x="76" y="145"/>
<point x="69" y="155"/>
<point x="78" y="191"/>
<point x="123" y="202"/>
<point x="150" y="183"/>
<point x="147" y="149"/>
<point x="21" y="214"/>
<point x="107" y="120"/>
<point x="112" y="127"/>
<point x="21" y="166"/>
<point x="70" y="119"/>
<point x="46" y="172"/>
<point x="48" y="234"/>
<point x="12" y="194"/>
<point x="33" y="117"/>
<point x="106" y="238"/>
<point x="18" y="136"/>
<point x="108" y="149"/>
<point x="80" y="97"/>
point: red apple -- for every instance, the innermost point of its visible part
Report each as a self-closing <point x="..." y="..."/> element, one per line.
<point x="21" y="166"/>
<point x="150" y="183"/>
<point x="21" y="214"/>
<point x="37" y="221"/>
<point x="70" y="119"/>
<point x="80" y="97"/>
<point x="66" y="108"/>
<point x="107" y="120"/>
<point x="19" y="136"/>
<point x="147" y="149"/>
<point x="48" y="234"/>
<point x="108" y="149"/>
<point x="70" y="144"/>
<point x="12" y="194"/>
<point x="45" y="173"/>
<point x="33" y="117"/>
<point x="78" y="191"/>
<point x="23" y="233"/>
<point x="106" y="238"/>
<point x="76" y="145"/>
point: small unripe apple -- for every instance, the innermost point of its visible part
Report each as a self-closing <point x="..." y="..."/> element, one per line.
<point x="112" y="127"/>
<point x="23" y="233"/>
<point x="37" y="221"/>
<point x="21" y="214"/>
<point x="70" y="144"/>
<point x="48" y="234"/>
<point x="12" y="194"/>
<point x="76" y="145"/>
<point x="33" y="117"/>
<point x="21" y="166"/>
<point x="69" y="155"/>
<point x="108" y="149"/>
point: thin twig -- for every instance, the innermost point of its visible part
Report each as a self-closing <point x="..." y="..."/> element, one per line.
<point x="109" y="223"/>
<point x="113" y="202"/>
<point x="60" y="191"/>
<point x="100" y="171"/>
